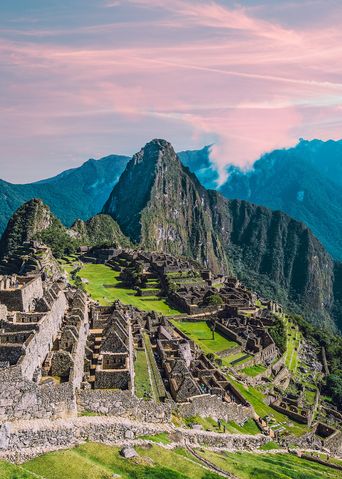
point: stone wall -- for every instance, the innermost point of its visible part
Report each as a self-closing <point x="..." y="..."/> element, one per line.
<point x="40" y="344"/>
<point x="20" y="396"/>
<point x="17" y="441"/>
<point x="213" y="406"/>
<point x="26" y="400"/>
<point x="76" y="374"/>
<point x="124" y="404"/>
<point x="21" y="299"/>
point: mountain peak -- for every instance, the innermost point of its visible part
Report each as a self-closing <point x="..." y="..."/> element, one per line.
<point x="153" y="151"/>
<point x="30" y="219"/>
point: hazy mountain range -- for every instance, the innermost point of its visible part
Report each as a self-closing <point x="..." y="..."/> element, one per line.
<point x="304" y="181"/>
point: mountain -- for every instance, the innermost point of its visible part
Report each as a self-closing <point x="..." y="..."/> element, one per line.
<point x="35" y="221"/>
<point x="76" y="193"/>
<point x="160" y="205"/>
<point x="30" y="220"/>
<point x="98" y="230"/>
<point x="304" y="182"/>
<point x="80" y="193"/>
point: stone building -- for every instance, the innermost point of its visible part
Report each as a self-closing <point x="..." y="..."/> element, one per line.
<point x="109" y="359"/>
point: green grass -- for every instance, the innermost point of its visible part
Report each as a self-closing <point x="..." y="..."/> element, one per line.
<point x="104" y="286"/>
<point x="257" y="399"/>
<point x="254" y="371"/>
<point x="98" y="461"/>
<point x="201" y="334"/>
<point x="240" y="357"/>
<point x="269" y="446"/>
<point x="161" y="438"/>
<point x="270" y="466"/>
<point x="293" y="336"/>
<point x="142" y="382"/>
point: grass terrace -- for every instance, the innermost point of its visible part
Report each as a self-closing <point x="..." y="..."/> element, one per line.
<point x="254" y="371"/>
<point x="98" y="461"/>
<point x="210" y="424"/>
<point x="269" y="466"/>
<point x="257" y="399"/>
<point x="142" y="381"/>
<point x="103" y="285"/>
<point x="201" y="334"/>
<point x="293" y="337"/>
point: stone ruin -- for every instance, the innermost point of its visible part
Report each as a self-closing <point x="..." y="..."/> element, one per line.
<point x="248" y="331"/>
<point x="109" y="351"/>
<point x="31" y="258"/>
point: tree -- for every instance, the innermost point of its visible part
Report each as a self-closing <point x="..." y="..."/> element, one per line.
<point x="212" y="299"/>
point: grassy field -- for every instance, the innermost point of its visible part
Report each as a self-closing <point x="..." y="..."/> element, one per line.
<point x="98" y="461"/>
<point x="200" y="332"/>
<point x="210" y="424"/>
<point x="254" y="371"/>
<point x="270" y="466"/>
<point x="104" y="286"/>
<point x="239" y="357"/>
<point x="142" y="382"/>
<point x="292" y="346"/>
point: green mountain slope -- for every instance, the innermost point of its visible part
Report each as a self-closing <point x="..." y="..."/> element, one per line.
<point x="35" y="221"/>
<point x="304" y="182"/>
<point x="161" y="205"/>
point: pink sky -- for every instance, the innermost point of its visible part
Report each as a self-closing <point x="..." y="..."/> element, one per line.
<point x="89" y="80"/>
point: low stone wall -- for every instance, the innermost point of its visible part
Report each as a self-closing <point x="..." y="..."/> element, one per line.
<point x="123" y="403"/>
<point x="20" y="440"/>
<point x="213" y="406"/>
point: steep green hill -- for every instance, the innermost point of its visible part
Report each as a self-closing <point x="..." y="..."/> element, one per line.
<point x="161" y="205"/>
<point x="99" y="229"/>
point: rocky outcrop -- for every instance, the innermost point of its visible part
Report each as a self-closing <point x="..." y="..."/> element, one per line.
<point x="35" y="221"/>
<point x="27" y="222"/>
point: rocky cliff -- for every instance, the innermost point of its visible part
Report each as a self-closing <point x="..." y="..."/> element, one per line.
<point x="27" y="222"/>
<point x="159" y="204"/>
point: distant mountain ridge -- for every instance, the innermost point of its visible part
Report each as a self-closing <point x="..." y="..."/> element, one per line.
<point x="79" y="193"/>
<point x="304" y="182"/>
